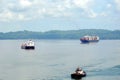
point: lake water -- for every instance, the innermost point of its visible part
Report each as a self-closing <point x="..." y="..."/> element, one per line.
<point x="57" y="59"/>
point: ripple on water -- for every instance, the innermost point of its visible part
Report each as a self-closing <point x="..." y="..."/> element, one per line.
<point x="112" y="71"/>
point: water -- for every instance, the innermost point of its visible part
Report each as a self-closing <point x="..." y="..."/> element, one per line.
<point x="57" y="59"/>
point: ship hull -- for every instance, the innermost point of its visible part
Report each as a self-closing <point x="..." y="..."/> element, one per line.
<point x="28" y="47"/>
<point x="88" y="41"/>
<point x="77" y="76"/>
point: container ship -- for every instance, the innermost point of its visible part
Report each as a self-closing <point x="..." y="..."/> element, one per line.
<point x="87" y="39"/>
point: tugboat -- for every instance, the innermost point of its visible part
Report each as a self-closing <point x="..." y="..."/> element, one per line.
<point x="87" y="39"/>
<point x="78" y="74"/>
<point x="28" y="45"/>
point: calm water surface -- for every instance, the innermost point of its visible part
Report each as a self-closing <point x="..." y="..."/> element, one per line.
<point x="57" y="59"/>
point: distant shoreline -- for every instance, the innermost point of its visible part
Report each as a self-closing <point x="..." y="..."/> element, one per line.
<point x="59" y="34"/>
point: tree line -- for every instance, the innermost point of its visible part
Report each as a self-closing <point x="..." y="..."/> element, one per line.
<point x="58" y="34"/>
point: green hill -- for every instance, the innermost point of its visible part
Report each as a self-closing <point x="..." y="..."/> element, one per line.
<point x="57" y="34"/>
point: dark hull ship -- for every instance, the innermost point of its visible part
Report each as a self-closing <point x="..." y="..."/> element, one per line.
<point x="87" y="39"/>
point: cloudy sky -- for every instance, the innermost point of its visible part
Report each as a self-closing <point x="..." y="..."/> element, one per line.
<point x="44" y="15"/>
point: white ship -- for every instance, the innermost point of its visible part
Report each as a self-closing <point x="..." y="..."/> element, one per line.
<point x="28" y="45"/>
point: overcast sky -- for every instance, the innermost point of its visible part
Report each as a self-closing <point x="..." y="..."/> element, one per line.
<point x="44" y="15"/>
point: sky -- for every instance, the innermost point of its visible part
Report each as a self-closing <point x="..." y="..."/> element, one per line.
<point x="45" y="15"/>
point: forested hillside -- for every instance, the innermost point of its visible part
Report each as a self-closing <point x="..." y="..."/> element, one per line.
<point x="56" y="34"/>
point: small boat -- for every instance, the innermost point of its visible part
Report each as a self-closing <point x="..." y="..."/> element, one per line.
<point x="28" y="45"/>
<point x="78" y="74"/>
<point x="87" y="39"/>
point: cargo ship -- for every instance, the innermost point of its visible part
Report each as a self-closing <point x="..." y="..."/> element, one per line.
<point x="87" y="39"/>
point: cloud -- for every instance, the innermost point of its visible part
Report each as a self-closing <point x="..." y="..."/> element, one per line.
<point x="7" y="15"/>
<point x="103" y="14"/>
<point x="109" y="5"/>
<point x="118" y="4"/>
<point x="25" y="3"/>
<point x="84" y="4"/>
<point x="34" y="9"/>
<point x="92" y="14"/>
